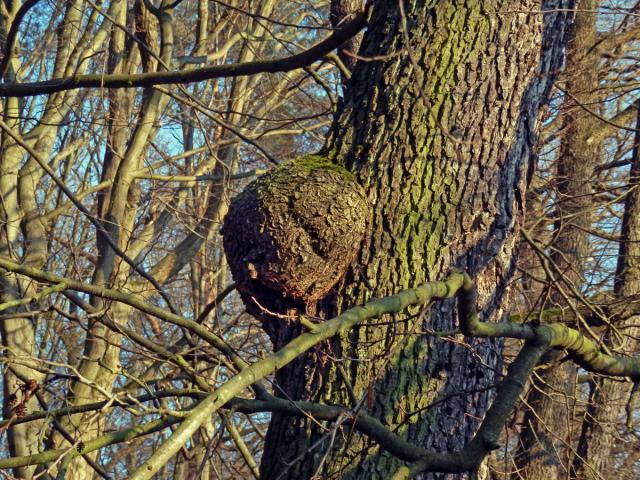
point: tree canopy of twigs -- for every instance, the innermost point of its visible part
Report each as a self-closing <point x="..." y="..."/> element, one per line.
<point x="482" y="319"/>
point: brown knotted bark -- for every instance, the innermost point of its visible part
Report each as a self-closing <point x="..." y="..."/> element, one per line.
<point x="290" y="236"/>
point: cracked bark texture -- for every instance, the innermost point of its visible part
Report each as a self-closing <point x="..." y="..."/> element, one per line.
<point x="484" y="71"/>
<point x="291" y="234"/>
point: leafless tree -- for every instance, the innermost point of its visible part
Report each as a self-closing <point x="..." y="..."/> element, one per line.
<point x="129" y="349"/>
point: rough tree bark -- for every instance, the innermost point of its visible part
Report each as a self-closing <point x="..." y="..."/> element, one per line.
<point x="341" y="11"/>
<point x="439" y="137"/>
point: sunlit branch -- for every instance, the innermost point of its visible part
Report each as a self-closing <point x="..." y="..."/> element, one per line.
<point x="94" y="221"/>
<point x="33" y="298"/>
<point x="299" y="60"/>
<point x="302" y="343"/>
<point x="90" y="445"/>
<point x="584" y="351"/>
<point x="538" y="338"/>
<point x="10" y="39"/>
<point x="129" y="299"/>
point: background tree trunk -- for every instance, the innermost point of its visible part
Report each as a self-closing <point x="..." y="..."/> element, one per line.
<point x="545" y="448"/>
<point x="609" y="398"/>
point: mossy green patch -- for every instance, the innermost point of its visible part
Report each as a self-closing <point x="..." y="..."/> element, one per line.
<point x="311" y="163"/>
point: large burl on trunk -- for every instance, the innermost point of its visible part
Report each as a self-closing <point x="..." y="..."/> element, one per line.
<point x="291" y="234"/>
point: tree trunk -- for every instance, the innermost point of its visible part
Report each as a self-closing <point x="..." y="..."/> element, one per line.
<point x="608" y="398"/>
<point x="440" y="137"/>
<point x="546" y="432"/>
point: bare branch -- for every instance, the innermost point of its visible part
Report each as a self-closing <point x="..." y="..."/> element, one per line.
<point x="299" y="60"/>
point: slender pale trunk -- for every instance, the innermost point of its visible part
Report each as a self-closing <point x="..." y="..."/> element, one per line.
<point x="19" y="187"/>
